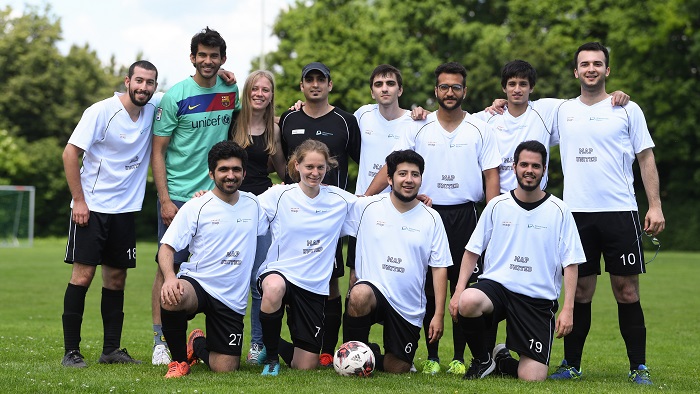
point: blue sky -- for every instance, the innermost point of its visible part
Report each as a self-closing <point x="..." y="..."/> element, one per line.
<point x="162" y="29"/>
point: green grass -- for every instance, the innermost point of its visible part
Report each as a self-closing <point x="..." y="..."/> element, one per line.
<point x="33" y="281"/>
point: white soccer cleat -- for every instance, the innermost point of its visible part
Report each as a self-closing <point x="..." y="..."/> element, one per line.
<point x="161" y="355"/>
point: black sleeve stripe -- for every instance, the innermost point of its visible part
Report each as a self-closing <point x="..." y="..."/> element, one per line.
<point x="199" y="214"/>
<point x="104" y="132"/>
<point x="541" y="119"/>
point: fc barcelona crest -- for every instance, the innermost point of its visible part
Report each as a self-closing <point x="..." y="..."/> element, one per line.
<point x="226" y="101"/>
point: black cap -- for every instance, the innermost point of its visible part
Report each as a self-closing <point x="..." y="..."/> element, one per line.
<point x="318" y="66"/>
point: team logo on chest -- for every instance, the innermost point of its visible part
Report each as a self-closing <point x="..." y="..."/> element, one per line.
<point x="520" y="267"/>
<point x="226" y="101"/>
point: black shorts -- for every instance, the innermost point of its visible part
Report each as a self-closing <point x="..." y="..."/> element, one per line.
<point x="338" y="265"/>
<point x="617" y="235"/>
<point x="108" y="239"/>
<point x="530" y="321"/>
<point x="181" y="256"/>
<point x="224" y="327"/>
<point x="460" y="222"/>
<point x="352" y="246"/>
<point x="305" y="314"/>
<point x="400" y="337"/>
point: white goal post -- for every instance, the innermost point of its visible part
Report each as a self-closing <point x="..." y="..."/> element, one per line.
<point x="16" y="215"/>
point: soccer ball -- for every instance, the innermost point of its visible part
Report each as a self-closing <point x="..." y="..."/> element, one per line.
<point x="353" y="358"/>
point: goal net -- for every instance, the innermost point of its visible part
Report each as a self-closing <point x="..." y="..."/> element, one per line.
<point x="16" y="215"/>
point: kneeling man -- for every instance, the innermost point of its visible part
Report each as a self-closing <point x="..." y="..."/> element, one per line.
<point x="398" y="239"/>
<point x="531" y="238"/>
<point x="220" y="228"/>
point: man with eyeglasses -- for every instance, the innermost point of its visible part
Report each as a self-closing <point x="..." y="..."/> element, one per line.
<point x="458" y="149"/>
<point x="598" y="144"/>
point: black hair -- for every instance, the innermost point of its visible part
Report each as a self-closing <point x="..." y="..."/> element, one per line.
<point x="403" y="156"/>
<point x="144" y="64"/>
<point x="592" y="46"/>
<point x="208" y="38"/>
<point x="225" y="150"/>
<point x="451" y="68"/>
<point x="518" y="69"/>
<point x="532" y="146"/>
<point x="385" y="70"/>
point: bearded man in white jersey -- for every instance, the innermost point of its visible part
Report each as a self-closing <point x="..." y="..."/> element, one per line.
<point x="532" y="240"/>
<point x="398" y="240"/>
<point x="598" y="144"/>
<point x="459" y="150"/>
<point x="220" y="229"/>
<point x="113" y="137"/>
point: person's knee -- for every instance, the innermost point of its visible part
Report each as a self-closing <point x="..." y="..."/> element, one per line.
<point x="625" y="288"/>
<point x="531" y="370"/>
<point x="360" y="300"/>
<point x="82" y="274"/>
<point x="223" y="362"/>
<point x="585" y="288"/>
<point x="392" y="364"/>
<point x="114" y="278"/>
<point x="470" y="303"/>
<point x="273" y="290"/>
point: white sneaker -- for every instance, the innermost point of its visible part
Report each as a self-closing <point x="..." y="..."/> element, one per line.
<point x="161" y="355"/>
<point x="254" y="353"/>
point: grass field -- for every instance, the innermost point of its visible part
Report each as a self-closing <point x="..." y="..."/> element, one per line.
<point x="33" y="281"/>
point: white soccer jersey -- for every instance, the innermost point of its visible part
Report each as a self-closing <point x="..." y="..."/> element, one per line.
<point x="527" y="249"/>
<point x="598" y="144"/>
<point x="305" y="233"/>
<point x="395" y="250"/>
<point x="117" y="154"/>
<point x="378" y="138"/>
<point x="454" y="161"/>
<point x="221" y="238"/>
<point x="534" y="124"/>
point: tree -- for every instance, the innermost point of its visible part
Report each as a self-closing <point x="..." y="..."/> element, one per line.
<point x="44" y="95"/>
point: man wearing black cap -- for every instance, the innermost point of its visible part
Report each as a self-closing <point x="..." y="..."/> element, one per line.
<point x="320" y="120"/>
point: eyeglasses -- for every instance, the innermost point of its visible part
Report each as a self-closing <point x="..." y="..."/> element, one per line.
<point x="654" y="241"/>
<point x="456" y="88"/>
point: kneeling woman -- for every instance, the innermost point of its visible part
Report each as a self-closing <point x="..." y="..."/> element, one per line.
<point x="306" y="219"/>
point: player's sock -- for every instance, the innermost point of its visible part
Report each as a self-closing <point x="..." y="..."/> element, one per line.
<point x="491" y="334"/>
<point x="356" y="328"/>
<point x="73" y="308"/>
<point x="271" y="324"/>
<point x="333" y="316"/>
<point x="459" y="341"/>
<point x="286" y="351"/>
<point x="474" y="329"/>
<point x="429" y="313"/>
<point x="175" y="333"/>
<point x="378" y="356"/>
<point x="508" y="366"/>
<point x="573" y="343"/>
<point x="158" y="335"/>
<point x="634" y="332"/>
<point x="112" y="308"/>
<point x="200" y="349"/>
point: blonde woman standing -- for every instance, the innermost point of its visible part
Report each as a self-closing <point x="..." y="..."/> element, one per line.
<point x="256" y="131"/>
